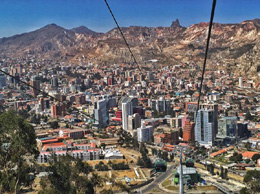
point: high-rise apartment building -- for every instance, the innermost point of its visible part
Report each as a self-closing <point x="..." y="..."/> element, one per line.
<point x="35" y="82"/>
<point x="134" y="121"/>
<point x="188" y="131"/>
<point x="127" y="109"/>
<point x="2" y="80"/>
<point x="204" y="128"/>
<point x="144" y="133"/>
<point x="54" y="82"/>
<point x="227" y="130"/>
<point x="58" y="110"/>
<point x="227" y="127"/>
<point x="101" y="113"/>
<point x="161" y="105"/>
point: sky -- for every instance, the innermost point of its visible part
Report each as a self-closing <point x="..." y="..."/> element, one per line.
<point x="19" y="16"/>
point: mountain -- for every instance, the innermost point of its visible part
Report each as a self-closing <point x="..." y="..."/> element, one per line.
<point x="83" y="30"/>
<point x="49" y="39"/>
<point x="236" y="45"/>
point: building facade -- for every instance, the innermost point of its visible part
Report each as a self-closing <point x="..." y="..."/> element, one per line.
<point x="127" y="109"/>
<point x="204" y="128"/>
<point x="227" y="127"/>
<point x="2" y="80"/>
<point x="101" y="113"/>
<point x="188" y="131"/>
<point x="145" y="133"/>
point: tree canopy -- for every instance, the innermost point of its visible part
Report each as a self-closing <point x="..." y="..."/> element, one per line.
<point x="69" y="176"/>
<point x="251" y="179"/>
<point x="18" y="152"/>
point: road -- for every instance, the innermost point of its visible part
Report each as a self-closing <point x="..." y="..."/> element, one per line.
<point x="159" y="180"/>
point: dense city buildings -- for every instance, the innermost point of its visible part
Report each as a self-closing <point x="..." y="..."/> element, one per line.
<point x="138" y="109"/>
<point x="99" y="113"/>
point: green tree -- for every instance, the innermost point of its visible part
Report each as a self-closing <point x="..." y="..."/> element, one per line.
<point x="18" y="152"/>
<point x="35" y="119"/>
<point x="239" y="106"/>
<point x="135" y="144"/>
<point x="23" y="113"/>
<point x="144" y="161"/>
<point x="96" y="180"/>
<point x="101" y="166"/>
<point x="248" y="116"/>
<point x="69" y="176"/>
<point x="244" y="191"/>
<point x="140" y="162"/>
<point x="251" y="179"/>
<point x="248" y="145"/>
<point x="45" y="119"/>
<point x="60" y="176"/>
<point x="120" y="141"/>
<point x="54" y="124"/>
<point x="171" y="157"/>
<point x="114" y="184"/>
<point x="165" y="156"/>
<point x="255" y="157"/>
<point x="103" y="146"/>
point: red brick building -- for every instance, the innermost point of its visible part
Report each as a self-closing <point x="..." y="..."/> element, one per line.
<point x="188" y="131"/>
<point x="167" y="138"/>
<point x="58" y="110"/>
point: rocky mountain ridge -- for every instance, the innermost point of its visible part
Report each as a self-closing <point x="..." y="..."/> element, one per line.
<point x="231" y="44"/>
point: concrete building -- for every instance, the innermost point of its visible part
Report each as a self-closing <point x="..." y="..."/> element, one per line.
<point x="144" y="133"/>
<point x="161" y="105"/>
<point x="35" y="82"/>
<point x="93" y="154"/>
<point x="111" y="154"/>
<point x="242" y="130"/>
<point x="58" y="110"/>
<point x="134" y="121"/>
<point x="227" y="129"/>
<point x="167" y="138"/>
<point x="54" y="82"/>
<point x="204" y="128"/>
<point x="175" y="122"/>
<point x="240" y="82"/>
<point x="2" y="80"/>
<point x="214" y="96"/>
<point x="101" y="113"/>
<point x="127" y="109"/>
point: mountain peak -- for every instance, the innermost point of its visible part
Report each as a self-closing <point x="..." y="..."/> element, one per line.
<point x="52" y="26"/>
<point x="83" y="30"/>
<point x="176" y="24"/>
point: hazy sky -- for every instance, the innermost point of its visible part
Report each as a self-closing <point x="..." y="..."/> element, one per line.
<point x="18" y="16"/>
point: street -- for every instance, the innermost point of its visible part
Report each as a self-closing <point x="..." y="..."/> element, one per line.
<point x="158" y="180"/>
